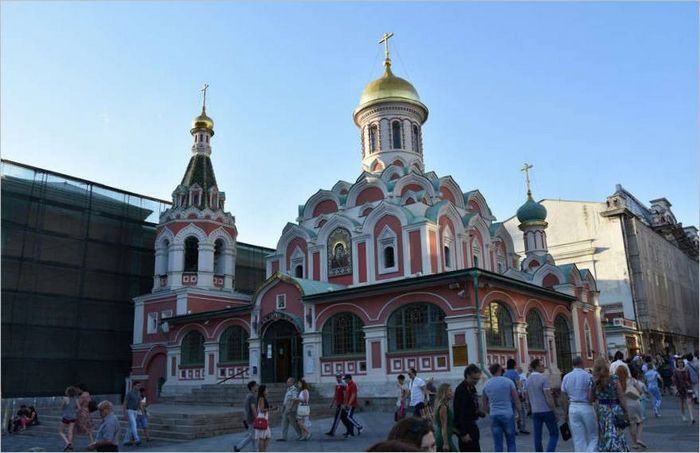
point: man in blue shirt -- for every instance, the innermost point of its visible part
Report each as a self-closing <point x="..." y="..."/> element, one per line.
<point x="512" y="374"/>
<point x="499" y="397"/>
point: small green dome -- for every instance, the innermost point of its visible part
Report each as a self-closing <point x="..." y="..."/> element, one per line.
<point x="531" y="211"/>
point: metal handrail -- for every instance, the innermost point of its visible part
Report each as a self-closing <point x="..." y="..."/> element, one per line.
<point x="233" y="376"/>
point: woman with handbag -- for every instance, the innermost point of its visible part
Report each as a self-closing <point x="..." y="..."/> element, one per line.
<point x="684" y="387"/>
<point x="303" y="410"/>
<point x="261" y="424"/>
<point x="611" y="410"/>
<point x="633" y="393"/>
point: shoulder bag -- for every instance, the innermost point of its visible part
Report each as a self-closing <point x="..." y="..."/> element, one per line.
<point x="260" y="423"/>
<point x="632" y="392"/>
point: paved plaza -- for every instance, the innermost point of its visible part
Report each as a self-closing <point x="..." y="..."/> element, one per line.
<point x="667" y="433"/>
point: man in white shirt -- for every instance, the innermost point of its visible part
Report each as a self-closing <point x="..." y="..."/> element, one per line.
<point x="417" y="393"/>
<point x="618" y="362"/>
<point x="578" y="410"/>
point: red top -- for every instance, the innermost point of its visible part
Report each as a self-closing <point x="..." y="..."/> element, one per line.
<point x="339" y="394"/>
<point x="351" y="394"/>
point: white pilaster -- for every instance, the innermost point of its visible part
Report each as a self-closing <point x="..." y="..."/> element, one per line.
<point x="374" y="334"/>
<point x="176" y="265"/>
<point x="210" y="347"/>
<point x="311" y="346"/>
<point x="205" y="266"/>
<point x="522" y="354"/>
<point x="138" y="321"/>
<point x="576" y="330"/>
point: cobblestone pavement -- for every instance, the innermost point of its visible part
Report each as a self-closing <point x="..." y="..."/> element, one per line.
<point x="667" y="433"/>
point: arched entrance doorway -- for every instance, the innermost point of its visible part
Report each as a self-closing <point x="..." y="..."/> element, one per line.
<point x="156" y="376"/>
<point x="562" y="339"/>
<point x="281" y="356"/>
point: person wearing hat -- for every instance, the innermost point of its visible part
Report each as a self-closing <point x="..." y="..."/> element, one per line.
<point x="349" y="407"/>
<point x="337" y="401"/>
<point x="107" y="438"/>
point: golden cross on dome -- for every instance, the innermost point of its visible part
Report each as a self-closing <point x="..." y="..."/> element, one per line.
<point x="385" y="40"/>
<point x="204" y="98"/>
<point x="526" y="169"/>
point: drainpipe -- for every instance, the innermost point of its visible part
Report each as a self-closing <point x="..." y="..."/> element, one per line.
<point x="475" y="281"/>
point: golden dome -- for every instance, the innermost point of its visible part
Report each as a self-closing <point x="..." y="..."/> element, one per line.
<point x="389" y="86"/>
<point x="203" y="122"/>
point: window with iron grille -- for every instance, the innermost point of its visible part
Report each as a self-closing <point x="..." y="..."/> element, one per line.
<point x="192" y="349"/>
<point x="417" y="326"/>
<point x="233" y="345"/>
<point x="343" y="335"/>
<point x="535" y="330"/>
<point x="499" y="326"/>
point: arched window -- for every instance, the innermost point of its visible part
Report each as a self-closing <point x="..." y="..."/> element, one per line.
<point x="373" y="137"/>
<point x="191" y="254"/>
<point x="562" y="340"/>
<point x="535" y="330"/>
<point x="233" y="345"/>
<point x="192" y="349"/>
<point x="417" y="326"/>
<point x="499" y="326"/>
<point x="414" y="139"/>
<point x="299" y="271"/>
<point x="396" y="134"/>
<point x="343" y="335"/>
<point x="219" y="257"/>
<point x="389" y="257"/>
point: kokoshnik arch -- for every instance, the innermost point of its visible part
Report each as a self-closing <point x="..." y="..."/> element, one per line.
<point x="400" y="268"/>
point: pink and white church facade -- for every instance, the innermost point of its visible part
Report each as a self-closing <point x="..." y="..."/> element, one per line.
<point x="400" y="268"/>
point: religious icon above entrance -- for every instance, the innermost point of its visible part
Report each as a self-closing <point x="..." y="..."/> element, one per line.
<point x="339" y="253"/>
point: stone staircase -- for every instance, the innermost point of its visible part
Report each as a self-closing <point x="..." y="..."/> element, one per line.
<point x="212" y="410"/>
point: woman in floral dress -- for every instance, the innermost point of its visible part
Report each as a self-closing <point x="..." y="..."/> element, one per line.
<point x="83" y="424"/>
<point x="607" y="392"/>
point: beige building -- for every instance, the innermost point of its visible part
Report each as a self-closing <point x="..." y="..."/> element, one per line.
<point x="644" y="261"/>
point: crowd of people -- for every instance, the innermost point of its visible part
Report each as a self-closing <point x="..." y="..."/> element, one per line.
<point x="598" y="407"/>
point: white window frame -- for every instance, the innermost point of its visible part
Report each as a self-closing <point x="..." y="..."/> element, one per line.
<point x="297" y="260"/>
<point x="166" y="314"/>
<point x="477" y="253"/>
<point x="281" y="302"/>
<point x="449" y="243"/>
<point x="387" y="238"/>
<point x="152" y="325"/>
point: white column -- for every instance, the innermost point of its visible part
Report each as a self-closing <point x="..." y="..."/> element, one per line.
<point x="229" y="268"/>
<point x="552" y="368"/>
<point x="472" y="339"/>
<point x="176" y="264"/>
<point x="311" y="347"/>
<point x="138" y="321"/>
<point x="205" y="266"/>
<point x="522" y="354"/>
<point x="210" y="347"/>
<point x="576" y="331"/>
<point x="372" y="335"/>
<point x="425" y="250"/>
<point x="460" y="325"/>
<point x="254" y="345"/>
<point x="171" y="382"/>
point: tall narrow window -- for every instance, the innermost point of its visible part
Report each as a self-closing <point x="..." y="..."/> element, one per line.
<point x="389" y="257"/>
<point x="219" y="257"/>
<point x="191" y="254"/>
<point x="499" y="326"/>
<point x="396" y="134"/>
<point x="164" y="258"/>
<point x="535" y="330"/>
<point x="446" y="251"/>
<point x="373" y="137"/>
<point x="299" y="271"/>
<point x="192" y="349"/>
<point x="414" y="139"/>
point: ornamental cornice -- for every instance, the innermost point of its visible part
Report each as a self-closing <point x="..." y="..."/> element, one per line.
<point x="179" y="214"/>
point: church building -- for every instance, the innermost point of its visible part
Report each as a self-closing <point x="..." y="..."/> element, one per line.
<point x="400" y="268"/>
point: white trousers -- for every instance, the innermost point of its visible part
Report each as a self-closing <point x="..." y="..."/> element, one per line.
<point x="583" y="426"/>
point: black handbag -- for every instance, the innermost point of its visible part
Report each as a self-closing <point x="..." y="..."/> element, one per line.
<point x="565" y="431"/>
<point x="621" y="421"/>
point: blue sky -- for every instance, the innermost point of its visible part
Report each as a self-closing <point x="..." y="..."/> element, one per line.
<point x="592" y="94"/>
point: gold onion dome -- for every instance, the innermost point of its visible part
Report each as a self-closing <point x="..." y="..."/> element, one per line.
<point x="203" y="122"/>
<point x="389" y="88"/>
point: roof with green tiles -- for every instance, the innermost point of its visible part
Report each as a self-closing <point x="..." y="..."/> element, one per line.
<point x="199" y="171"/>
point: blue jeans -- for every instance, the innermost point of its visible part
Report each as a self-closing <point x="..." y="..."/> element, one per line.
<point x="547" y="418"/>
<point x="500" y="425"/>
<point x="131" y="427"/>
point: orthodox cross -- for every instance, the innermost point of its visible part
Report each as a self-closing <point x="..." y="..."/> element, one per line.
<point x="204" y="99"/>
<point x="526" y="169"/>
<point x="385" y="40"/>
